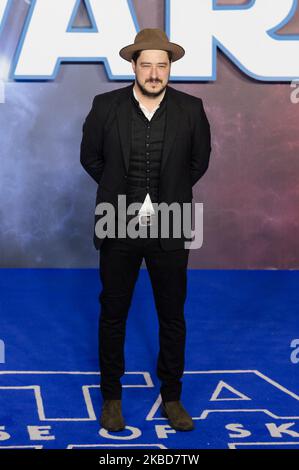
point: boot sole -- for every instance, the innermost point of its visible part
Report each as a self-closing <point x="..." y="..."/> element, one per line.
<point x="177" y="428"/>
<point x="110" y="429"/>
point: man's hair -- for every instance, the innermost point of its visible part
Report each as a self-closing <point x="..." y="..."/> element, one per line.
<point x="137" y="54"/>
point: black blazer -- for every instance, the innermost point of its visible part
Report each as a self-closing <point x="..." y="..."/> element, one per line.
<point x="105" y="148"/>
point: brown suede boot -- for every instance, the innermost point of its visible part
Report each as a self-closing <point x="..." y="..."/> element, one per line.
<point x="178" y="417"/>
<point x="111" y="417"/>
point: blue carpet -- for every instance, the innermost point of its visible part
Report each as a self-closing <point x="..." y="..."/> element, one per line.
<point x="240" y="384"/>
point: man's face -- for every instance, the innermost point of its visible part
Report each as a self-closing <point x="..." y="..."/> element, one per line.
<point x="152" y="71"/>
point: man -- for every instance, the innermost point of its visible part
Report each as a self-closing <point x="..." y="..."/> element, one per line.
<point x="150" y="143"/>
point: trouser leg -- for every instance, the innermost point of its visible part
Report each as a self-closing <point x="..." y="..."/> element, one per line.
<point x="119" y="268"/>
<point x="168" y="274"/>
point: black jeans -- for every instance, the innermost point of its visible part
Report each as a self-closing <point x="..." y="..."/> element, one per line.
<point x="120" y="261"/>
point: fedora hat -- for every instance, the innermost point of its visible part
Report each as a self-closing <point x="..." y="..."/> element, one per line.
<point x="152" y="38"/>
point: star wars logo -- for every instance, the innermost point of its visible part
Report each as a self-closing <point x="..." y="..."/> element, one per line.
<point x="247" y="34"/>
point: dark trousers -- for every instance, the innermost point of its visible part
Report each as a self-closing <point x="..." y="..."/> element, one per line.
<point x="120" y="261"/>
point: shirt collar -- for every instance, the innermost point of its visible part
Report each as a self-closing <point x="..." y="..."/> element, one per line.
<point x="163" y="99"/>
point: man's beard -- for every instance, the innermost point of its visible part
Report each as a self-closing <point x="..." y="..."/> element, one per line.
<point x="151" y="94"/>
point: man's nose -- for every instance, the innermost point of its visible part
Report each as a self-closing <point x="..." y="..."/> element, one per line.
<point x="154" y="73"/>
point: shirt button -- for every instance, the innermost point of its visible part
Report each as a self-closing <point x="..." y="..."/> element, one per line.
<point x="147" y="153"/>
<point x="147" y="161"/>
<point x="147" y="145"/>
<point x="147" y="171"/>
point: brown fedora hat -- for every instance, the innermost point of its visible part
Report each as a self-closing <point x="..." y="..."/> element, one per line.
<point x="152" y="38"/>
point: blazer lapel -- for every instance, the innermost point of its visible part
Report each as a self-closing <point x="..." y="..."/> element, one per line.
<point x="171" y="126"/>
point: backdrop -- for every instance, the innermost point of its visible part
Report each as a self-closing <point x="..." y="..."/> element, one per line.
<point x="250" y="191"/>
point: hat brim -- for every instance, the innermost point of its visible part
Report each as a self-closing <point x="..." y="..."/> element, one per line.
<point x="177" y="51"/>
